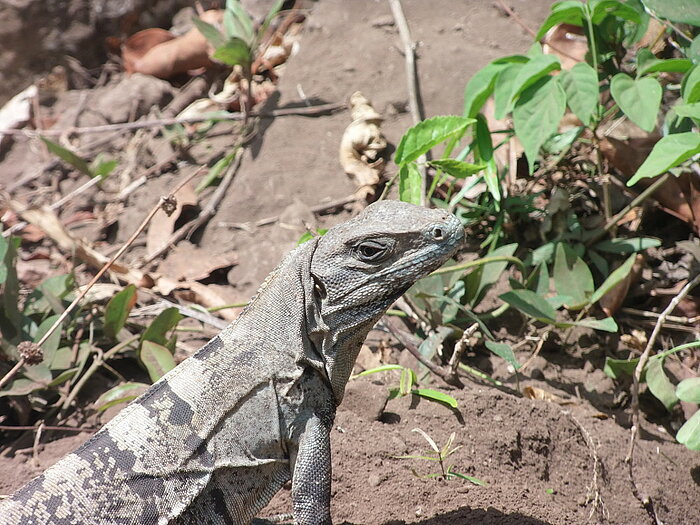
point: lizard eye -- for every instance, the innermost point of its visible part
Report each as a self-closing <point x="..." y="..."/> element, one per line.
<point x="371" y="251"/>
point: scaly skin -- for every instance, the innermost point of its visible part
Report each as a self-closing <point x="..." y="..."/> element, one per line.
<point x="213" y="440"/>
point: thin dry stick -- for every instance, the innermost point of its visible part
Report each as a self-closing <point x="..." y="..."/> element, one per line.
<point x="412" y="81"/>
<point x="98" y="275"/>
<point x="643" y="359"/>
<point x="281" y="112"/>
<point x="318" y="208"/>
<point x="635" y="202"/>
<point x="80" y="189"/>
<point x="206" y="214"/>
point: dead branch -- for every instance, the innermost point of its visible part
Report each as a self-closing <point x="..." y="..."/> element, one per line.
<point x="414" y="103"/>
<point x="645" y="500"/>
<point x="122" y="126"/>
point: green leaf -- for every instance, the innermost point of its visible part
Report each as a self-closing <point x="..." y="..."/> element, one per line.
<point x="63" y="377"/>
<point x="689" y="390"/>
<point x="118" y="309"/>
<point x="410" y="183"/>
<point x="4" y="245"/>
<point x="407" y="380"/>
<point x="530" y="304"/>
<point x="623" y="246"/>
<point x="690" y="86"/>
<point x="67" y="155"/>
<point x="51" y="344"/>
<point x="434" y="395"/>
<point x="215" y="171"/>
<point x="669" y="152"/>
<point x="383" y="368"/>
<point x="605" y="325"/>
<point x="614" y="279"/>
<point x="234" y="52"/>
<point x="688" y="110"/>
<point x="617" y="368"/>
<point x="157" y="330"/>
<point x="537" y="114"/>
<point x="271" y="15"/>
<point x="572" y="277"/>
<point x="638" y="99"/>
<point x="457" y="168"/>
<point x="157" y="359"/>
<point x="483" y="277"/>
<point x="503" y="89"/>
<point x="480" y="87"/>
<point x="568" y="12"/>
<point x="427" y="134"/>
<point x="535" y="69"/>
<point x="604" y="8"/>
<point x="21" y="387"/>
<point x="238" y="23"/>
<point x="683" y="11"/>
<point x="581" y="87"/>
<point x="102" y="168"/>
<point x="689" y="433"/>
<point x="123" y="393"/>
<point x="210" y="32"/>
<point x="669" y="65"/>
<point x="505" y="352"/>
<point x="660" y="385"/>
<point x="693" y="51"/>
<point x="471" y="479"/>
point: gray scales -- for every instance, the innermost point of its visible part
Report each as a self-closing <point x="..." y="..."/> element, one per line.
<point x="213" y="440"/>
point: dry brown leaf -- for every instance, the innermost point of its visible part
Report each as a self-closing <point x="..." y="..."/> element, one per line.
<point x="612" y="301"/>
<point x="191" y="263"/>
<point x="362" y="145"/>
<point x="533" y="392"/>
<point x="205" y="296"/>
<point x="678" y="196"/>
<point x="162" y="226"/>
<point x="156" y="52"/>
<point x="566" y="42"/>
<point x="49" y="222"/>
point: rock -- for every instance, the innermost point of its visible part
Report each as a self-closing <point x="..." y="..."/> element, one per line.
<point x="365" y="399"/>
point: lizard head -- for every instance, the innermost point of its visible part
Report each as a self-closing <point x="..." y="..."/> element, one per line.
<point x="362" y="266"/>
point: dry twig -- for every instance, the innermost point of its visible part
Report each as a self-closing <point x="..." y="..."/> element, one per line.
<point x="644" y="499"/>
<point x="414" y="103"/>
<point x="98" y="275"/>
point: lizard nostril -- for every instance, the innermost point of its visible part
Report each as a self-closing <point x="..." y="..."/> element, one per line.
<point x="438" y="234"/>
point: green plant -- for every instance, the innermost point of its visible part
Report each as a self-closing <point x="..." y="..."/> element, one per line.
<point x="239" y="42"/>
<point x="447" y="472"/>
<point x="99" y="167"/>
<point x="406" y="386"/>
<point x="56" y="372"/>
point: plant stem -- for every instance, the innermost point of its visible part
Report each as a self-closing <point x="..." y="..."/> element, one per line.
<point x="480" y="262"/>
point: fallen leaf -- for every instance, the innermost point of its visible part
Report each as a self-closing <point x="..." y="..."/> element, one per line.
<point x="162" y="226"/>
<point x="191" y="263"/>
<point x="361" y="146"/>
<point x="533" y="392"/>
<point x="612" y="301"/>
<point x="678" y="196"/>
<point x="158" y="53"/>
<point x="206" y="296"/>
<point x="17" y="111"/>
<point x="49" y="222"/>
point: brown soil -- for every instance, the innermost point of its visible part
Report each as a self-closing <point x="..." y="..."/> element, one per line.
<point x="544" y="463"/>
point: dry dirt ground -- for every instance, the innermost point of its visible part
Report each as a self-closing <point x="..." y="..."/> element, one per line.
<point x="544" y="463"/>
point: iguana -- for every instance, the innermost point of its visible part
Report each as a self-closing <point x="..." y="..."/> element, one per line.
<point x="214" y="439"/>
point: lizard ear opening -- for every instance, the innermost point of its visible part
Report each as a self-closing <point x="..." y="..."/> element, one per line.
<point x="319" y="288"/>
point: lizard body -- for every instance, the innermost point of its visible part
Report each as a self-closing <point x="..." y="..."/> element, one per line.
<point x="214" y="439"/>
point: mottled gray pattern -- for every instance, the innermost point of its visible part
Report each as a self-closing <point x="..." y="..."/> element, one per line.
<point x="217" y="437"/>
